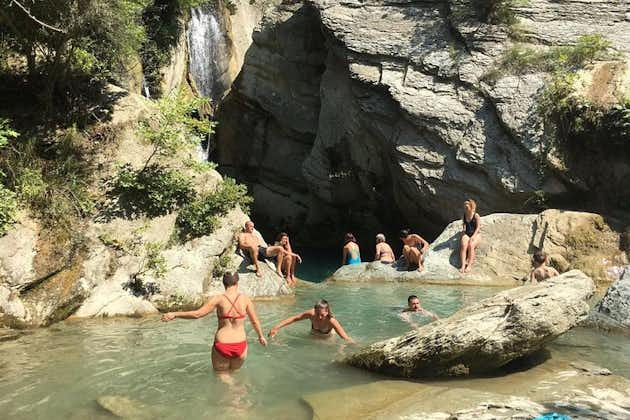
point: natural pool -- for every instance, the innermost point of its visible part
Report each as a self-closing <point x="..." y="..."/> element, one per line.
<point x="59" y="372"/>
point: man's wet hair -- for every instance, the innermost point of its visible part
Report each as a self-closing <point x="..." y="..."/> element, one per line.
<point x="539" y="257"/>
<point x="230" y="279"/>
<point x="412" y="297"/>
<point x="403" y="233"/>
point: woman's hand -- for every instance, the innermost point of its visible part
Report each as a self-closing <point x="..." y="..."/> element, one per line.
<point x="273" y="332"/>
<point x="169" y="316"/>
<point x="299" y="259"/>
<point x="262" y="340"/>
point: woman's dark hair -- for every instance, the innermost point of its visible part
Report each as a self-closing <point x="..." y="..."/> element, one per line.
<point x="349" y="238"/>
<point x="539" y="257"/>
<point x="230" y="279"/>
<point x="323" y="304"/>
<point x="403" y="233"/>
<point x="281" y="235"/>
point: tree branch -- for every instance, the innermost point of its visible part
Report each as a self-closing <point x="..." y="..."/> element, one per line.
<point x="44" y="24"/>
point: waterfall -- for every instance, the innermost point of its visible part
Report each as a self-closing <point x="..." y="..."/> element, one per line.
<point x="209" y="58"/>
<point x="145" y="88"/>
<point x="209" y="52"/>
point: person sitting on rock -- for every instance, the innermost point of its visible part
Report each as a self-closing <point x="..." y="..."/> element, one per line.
<point x="413" y="305"/>
<point x="384" y="252"/>
<point x="351" y="253"/>
<point x="541" y="270"/>
<point x="287" y="264"/>
<point x="414" y="249"/>
<point x="323" y="323"/>
<point x="252" y="244"/>
<point x="470" y="235"/>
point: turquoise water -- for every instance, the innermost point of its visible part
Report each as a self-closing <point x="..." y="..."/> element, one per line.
<point x="59" y="372"/>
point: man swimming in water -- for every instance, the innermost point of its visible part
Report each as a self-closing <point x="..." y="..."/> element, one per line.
<point x="413" y="305"/>
<point x="322" y="322"/>
<point x="252" y="244"/>
<point x="541" y="270"/>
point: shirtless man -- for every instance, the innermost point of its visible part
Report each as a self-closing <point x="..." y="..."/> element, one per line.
<point x="541" y="270"/>
<point x="413" y="305"/>
<point x="252" y="244"/>
<point x="414" y="248"/>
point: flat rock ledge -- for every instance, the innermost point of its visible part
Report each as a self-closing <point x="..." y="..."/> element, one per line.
<point x="573" y="240"/>
<point x="613" y="311"/>
<point x="487" y="335"/>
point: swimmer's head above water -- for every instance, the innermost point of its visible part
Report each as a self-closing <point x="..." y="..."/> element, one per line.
<point x="322" y="309"/>
<point x="414" y="303"/>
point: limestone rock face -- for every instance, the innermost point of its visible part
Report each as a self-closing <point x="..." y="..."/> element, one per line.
<point x="486" y="335"/>
<point x="573" y="240"/>
<point x="18" y="249"/>
<point x="613" y="311"/>
<point x="363" y="113"/>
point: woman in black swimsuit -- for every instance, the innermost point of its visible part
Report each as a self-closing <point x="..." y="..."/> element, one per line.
<point x="322" y="322"/>
<point x="470" y="235"/>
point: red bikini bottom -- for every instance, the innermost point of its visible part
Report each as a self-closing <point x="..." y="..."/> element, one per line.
<point x="231" y="350"/>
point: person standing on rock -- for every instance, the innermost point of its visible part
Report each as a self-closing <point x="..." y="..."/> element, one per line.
<point x="384" y="252"/>
<point x="251" y="243"/>
<point x="541" y="271"/>
<point x="470" y="235"/>
<point x="351" y="253"/>
<point x="414" y="249"/>
<point x="323" y="323"/>
<point x="230" y="341"/>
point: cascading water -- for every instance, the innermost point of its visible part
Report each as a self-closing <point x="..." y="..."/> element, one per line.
<point x="209" y="57"/>
<point x="209" y="52"/>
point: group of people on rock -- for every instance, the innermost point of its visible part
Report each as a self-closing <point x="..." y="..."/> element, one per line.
<point x="415" y="246"/>
<point x="230" y="345"/>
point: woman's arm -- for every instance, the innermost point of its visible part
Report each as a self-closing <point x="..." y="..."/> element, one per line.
<point x="377" y="255"/>
<point x="339" y="329"/>
<point x="253" y="318"/>
<point x="198" y="313"/>
<point x="478" y="219"/>
<point x="425" y="244"/>
<point x="289" y="321"/>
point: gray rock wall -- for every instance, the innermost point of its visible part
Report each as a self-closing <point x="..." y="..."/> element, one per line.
<point x="373" y="113"/>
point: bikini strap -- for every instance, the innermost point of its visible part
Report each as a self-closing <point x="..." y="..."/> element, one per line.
<point x="232" y="303"/>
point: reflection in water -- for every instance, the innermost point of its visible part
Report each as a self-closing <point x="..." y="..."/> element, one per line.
<point x="52" y="373"/>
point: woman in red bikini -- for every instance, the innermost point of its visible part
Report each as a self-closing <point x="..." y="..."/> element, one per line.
<point x="230" y="343"/>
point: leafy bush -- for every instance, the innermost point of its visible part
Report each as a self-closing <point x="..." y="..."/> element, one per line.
<point x="521" y="60"/>
<point x="222" y="265"/>
<point x="154" y="190"/>
<point x="8" y="209"/>
<point x="200" y="217"/>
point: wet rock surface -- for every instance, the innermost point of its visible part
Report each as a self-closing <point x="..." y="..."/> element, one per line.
<point x="613" y="311"/>
<point x="487" y="335"/>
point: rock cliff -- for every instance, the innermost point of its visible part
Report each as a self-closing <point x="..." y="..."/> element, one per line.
<point x="375" y="113"/>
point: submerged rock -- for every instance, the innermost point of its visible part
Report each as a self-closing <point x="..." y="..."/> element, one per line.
<point x="572" y="240"/>
<point x="487" y="335"/>
<point x="613" y="311"/>
<point x="125" y="408"/>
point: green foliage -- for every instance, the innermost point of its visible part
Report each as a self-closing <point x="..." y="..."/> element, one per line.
<point x="500" y="12"/>
<point x="154" y="190"/>
<point x="60" y="38"/>
<point x="51" y="181"/>
<point x="6" y="132"/>
<point x="521" y="60"/>
<point x="8" y="209"/>
<point x="175" y="126"/>
<point x="154" y="260"/>
<point x="200" y="217"/>
<point x="222" y="265"/>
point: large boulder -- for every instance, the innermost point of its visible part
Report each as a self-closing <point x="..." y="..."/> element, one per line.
<point x="573" y="240"/>
<point x="486" y="335"/>
<point x="613" y="311"/>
